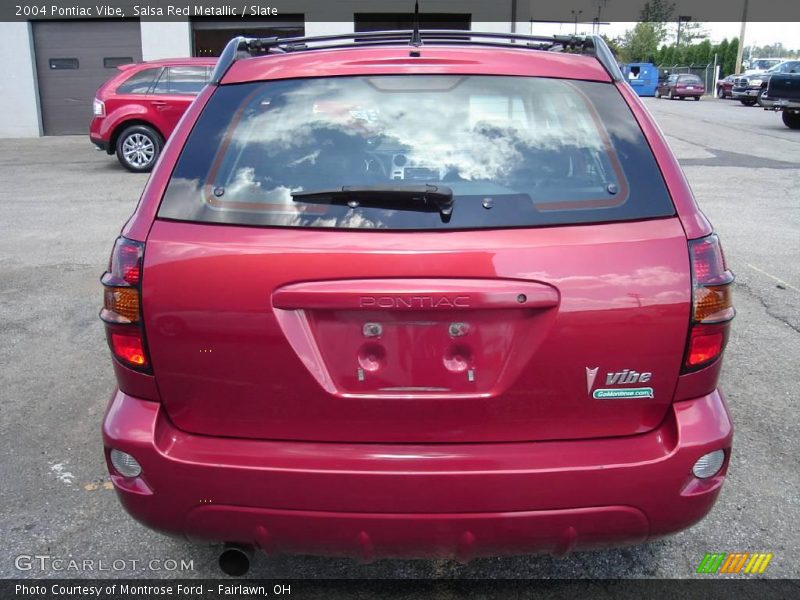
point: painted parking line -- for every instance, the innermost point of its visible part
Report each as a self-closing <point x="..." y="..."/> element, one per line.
<point x="771" y="276"/>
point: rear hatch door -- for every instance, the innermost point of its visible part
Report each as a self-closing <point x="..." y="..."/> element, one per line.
<point x="552" y="303"/>
<point x="348" y="336"/>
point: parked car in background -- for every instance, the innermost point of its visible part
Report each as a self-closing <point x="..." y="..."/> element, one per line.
<point x="750" y="89"/>
<point x="783" y="94"/>
<point x="136" y="110"/>
<point x="724" y="87"/>
<point x="756" y="66"/>
<point x="370" y="305"/>
<point x="681" y="86"/>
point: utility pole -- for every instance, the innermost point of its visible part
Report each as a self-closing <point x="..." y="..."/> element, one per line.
<point x="596" y="21"/>
<point x="576" y="14"/>
<point x="513" y="16"/>
<point x="739" y="52"/>
<point x="681" y="19"/>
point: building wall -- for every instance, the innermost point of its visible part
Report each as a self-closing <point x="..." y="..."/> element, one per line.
<point x="19" y="102"/>
<point x="166" y="39"/>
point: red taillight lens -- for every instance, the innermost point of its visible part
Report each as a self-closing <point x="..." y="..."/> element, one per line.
<point x="126" y="262"/>
<point x="122" y="304"/>
<point x="706" y="343"/>
<point x="129" y="348"/>
<point x="712" y="307"/>
<point x="708" y="262"/>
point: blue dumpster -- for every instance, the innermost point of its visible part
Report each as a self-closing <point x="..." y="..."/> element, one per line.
<point x="643" y="77"/>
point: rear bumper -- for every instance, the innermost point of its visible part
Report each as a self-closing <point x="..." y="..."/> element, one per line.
<point x="99" y="134"/>
<point x="780" y="103"/>
<point x="101" y="144"/>
<point x="457" y="500"/>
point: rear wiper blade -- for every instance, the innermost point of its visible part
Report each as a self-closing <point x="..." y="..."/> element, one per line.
<point x="425" y="197"/>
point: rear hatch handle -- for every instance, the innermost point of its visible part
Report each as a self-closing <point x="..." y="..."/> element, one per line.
<point x="416" y="294"/>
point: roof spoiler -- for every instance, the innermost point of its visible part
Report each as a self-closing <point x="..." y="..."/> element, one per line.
<point x="244" y="47"/>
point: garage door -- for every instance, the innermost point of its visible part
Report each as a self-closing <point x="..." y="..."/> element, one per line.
<point x="73" y="59"/>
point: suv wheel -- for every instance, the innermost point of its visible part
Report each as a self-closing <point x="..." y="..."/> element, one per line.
<point x="138" y="148"/>
<point x="720" y="93"/>
<point x="759" y="101"/>
<point x="791" y="119"/>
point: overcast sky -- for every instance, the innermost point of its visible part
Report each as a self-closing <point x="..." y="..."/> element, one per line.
<point x="759" y="34"/>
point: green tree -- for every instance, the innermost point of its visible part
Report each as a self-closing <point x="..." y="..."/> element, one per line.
<point x="661" y="54"/>
<point x="640" y="44"/>
<point x="679" y="56"/>
<point x="721" y="50"/>
<point x="730" y="56"/>
<point x="669" y="56"/>
<point x="614" y="45"/>
<point x="705" y="53"/>
<point x="658" y="13"/>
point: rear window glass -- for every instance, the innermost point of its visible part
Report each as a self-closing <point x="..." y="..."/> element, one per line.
<point x="514" y="151"/>
<point x="182" y="80"/>
<point x="691" y="79"/>
<point x="139" y="83"/>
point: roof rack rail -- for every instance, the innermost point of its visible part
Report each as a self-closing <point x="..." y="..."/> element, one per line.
<point x="244" y="47"/>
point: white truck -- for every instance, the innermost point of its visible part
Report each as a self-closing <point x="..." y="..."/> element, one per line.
<point x="755" y="66"/>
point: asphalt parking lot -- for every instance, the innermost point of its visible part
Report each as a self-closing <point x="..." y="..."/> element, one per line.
<point x="61" y="206"/>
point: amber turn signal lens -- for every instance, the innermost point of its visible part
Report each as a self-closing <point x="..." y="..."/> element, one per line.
<point x="121" y="305"/>
<point x="713" y="303"/>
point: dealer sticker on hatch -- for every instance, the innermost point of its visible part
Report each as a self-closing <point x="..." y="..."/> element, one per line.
<point x="622" y="393"/>
<point x="624" y="377"/>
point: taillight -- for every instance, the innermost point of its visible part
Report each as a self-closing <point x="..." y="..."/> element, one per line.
<point x="712" y="307"/>
<point x="706" y="343"/>
<point x="98" y="108"/>
<point x="122" y="306"/>
<point x="129" y="348"/>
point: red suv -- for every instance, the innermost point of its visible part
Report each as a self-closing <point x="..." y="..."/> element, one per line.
<point x="382" y="298"/>
<point x="136" y="110"/>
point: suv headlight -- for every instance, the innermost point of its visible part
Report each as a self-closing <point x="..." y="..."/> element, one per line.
<point x="755" y="82"/>
<point x="98" y="108"/>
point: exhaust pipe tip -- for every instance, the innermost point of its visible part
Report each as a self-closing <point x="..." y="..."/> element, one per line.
<point x="234" y="560"/>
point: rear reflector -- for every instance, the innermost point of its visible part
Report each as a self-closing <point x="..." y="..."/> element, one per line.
<point x="709" y="464"/>
<point x="129" y="348"/>
<point x="125" y="464"/>
<point x="705" y="345"/>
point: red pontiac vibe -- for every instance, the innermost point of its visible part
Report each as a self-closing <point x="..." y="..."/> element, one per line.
<point x="391" y="299"/>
